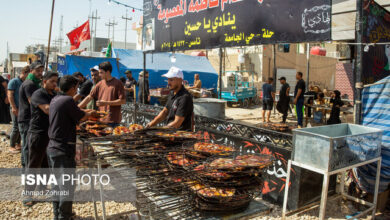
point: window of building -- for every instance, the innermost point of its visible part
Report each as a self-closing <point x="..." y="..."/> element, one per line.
<point x="285" y="48"/>
<point x="301" y="49"/>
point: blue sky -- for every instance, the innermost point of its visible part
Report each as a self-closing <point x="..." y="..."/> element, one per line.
<point x="25" y="22"/>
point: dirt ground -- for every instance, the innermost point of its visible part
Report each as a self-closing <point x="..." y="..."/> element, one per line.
<point x="253" y="116"/>
<point x="15" y="210"/>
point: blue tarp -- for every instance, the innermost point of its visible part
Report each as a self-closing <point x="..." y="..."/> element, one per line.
<point x="376" y="114"/>
<point x="72" y="64"/>
<point x="159" y="64"/>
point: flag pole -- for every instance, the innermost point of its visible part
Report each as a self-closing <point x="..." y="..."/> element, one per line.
<point x="89" y="26"/>
<point x="48" y="45"/>
<point x="90" y="38"/>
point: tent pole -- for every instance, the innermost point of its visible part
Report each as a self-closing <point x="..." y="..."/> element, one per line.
<point x="275" y="69"/>
<point x="358" y="61"/>
<point x="220" y="72"/>
<point x="308" y="64"/>
<point x="144" y="77"/>
<point x="48" y="44"/>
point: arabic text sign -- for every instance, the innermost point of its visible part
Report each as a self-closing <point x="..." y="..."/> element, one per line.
<point x="198" y="24"/>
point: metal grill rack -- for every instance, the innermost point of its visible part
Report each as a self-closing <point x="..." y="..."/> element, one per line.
<point x="165" y="188"/>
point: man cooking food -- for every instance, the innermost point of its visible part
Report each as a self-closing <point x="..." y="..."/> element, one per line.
<point x="179" y="108"/>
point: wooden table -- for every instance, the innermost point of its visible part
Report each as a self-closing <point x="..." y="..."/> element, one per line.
<point x="344" y="110"/>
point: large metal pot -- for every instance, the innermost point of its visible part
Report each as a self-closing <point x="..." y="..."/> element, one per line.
<point x="210" y="107"/>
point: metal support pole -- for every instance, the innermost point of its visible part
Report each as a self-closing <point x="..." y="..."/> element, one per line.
<point x="377" y="181"/>
<point x="275" y="69"/>
<point x="48" y="44"/>
<point x="144" y="78"/>
<point x="308" y="64"/>
<point x="287" y="186"/>
<point x="324" y="196"/>
<point x="220" y="72"/>
<point x="101" y="191"/>
<point x="358" y="61"/>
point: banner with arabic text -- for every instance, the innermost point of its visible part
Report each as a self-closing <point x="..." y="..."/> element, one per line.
<point x="171" y="25"/>
<point x="376" y="61"/>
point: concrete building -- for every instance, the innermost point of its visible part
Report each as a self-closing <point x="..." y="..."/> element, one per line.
<point x="99" y="43"/>
<point x="333" y="71"/>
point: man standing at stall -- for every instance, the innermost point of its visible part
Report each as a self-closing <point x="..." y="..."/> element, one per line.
<point x="38" y="138"/>
<point x="85" y="87"/>
<point x="129" y="86"/>
<point x="299" y="98"/>
<point x="95" y="79"/>
<point x="13" y="96"/>
<point x="284" y="98"/>
<point x="110" y="95"/>
<point x="39" y="124"/>
<point x="64" y="115"/>
<point x="179" y="108"/>
<point x="268" y="99"/>
<point x="29" y="86"/>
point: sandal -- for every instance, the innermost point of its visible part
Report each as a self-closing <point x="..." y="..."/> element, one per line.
<point x="13" y="150"/>
<point x="28" y="203"/>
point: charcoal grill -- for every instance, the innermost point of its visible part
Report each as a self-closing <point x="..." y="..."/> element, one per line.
<point x="163" y="188"/>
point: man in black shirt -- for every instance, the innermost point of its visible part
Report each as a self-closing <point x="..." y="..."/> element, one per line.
<point x="179" y="108"/>
<point x="39" y="125"/>
<point x="299" y="98"/>
<point x="64" y="115"/>
<point x="284" y="98"/>
<point x="28" y="87"/>
<point x="130" y="82"/>
<point x="85" y="87"/>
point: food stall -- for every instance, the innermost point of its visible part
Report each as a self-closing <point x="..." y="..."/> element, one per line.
<point x="178" y="174"/>
<point x="245" y="140"/>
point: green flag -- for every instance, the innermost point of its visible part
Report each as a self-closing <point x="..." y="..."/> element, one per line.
<point x="109" y="50"/>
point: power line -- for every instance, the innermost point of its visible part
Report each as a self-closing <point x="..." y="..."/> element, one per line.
<point x="125" y="5"/>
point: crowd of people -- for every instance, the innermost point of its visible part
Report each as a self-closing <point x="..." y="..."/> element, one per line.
<point x="315" y="98"/>
<point x="45" y="110"/>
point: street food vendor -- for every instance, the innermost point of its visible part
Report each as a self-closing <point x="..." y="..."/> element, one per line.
<point x="179" y="108"/>
<point x="197" y="82"/>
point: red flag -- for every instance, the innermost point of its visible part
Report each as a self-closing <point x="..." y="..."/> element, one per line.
<point x="79" y="35"/>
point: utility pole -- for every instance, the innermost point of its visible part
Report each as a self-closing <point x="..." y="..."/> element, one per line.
<point x="8" y="58"/>
<point x="359" y="61"/>
<point x="113" y="31"/>
<point x="7" y="49"/>
<point x="126" y="19"/>
<point x="94" y="18"/>
<point x="109" y="24"/>
<point x="60" y="39"/>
